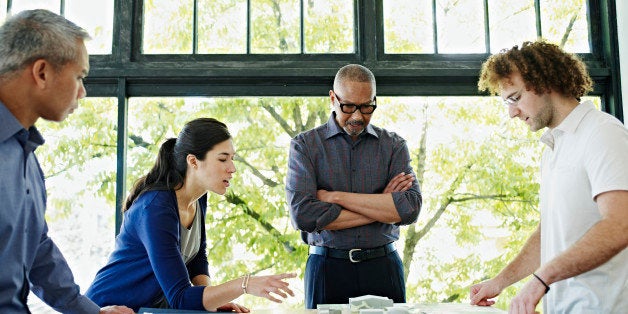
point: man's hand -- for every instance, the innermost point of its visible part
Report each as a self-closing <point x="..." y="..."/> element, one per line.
<point x="401" y="182"/>
<point x="528" y="297"/>
<point x="116" y="309"/>
<point x="482" y="292"/>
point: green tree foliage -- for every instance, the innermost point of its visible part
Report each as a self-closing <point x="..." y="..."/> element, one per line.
<point x="477" y="172"/>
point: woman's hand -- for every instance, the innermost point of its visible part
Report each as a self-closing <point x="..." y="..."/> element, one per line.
<point x="233" y="307"/>
<point x="263" y="286"/>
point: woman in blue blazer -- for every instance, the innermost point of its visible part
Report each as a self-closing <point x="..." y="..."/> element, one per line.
<point x="160" y="257"/>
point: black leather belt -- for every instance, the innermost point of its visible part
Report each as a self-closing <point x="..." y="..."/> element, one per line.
<point x="354" y="255"/>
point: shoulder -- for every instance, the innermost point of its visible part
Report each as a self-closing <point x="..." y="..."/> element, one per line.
<point x="156" y="200"/>
<point x="388" y="136"/>
<point x="317" y="132"/>
<point x="602" y="128"/>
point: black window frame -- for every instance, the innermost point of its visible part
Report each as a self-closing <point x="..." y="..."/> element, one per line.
<point x="129" y="73"/>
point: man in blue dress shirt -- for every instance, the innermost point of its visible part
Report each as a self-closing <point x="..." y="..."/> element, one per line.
<point x="350" y="186"/>
<point x="43" y="61"/>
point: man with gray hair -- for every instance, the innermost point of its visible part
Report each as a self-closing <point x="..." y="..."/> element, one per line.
<point x="350" y="186"/>
<point x="43" y="61"/>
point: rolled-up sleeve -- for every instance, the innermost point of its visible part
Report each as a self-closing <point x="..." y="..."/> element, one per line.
<point x="306" y="211"/>
<point x="408" y="203"/>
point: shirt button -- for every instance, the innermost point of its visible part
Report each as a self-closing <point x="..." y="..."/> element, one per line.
<point x="28" y="191"/>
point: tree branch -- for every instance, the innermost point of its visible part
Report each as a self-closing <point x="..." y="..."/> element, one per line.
<point x="256" y="172"/>
<point x="572" y="21"/>
<point x="284" y="125"/>
<point x="236" y="200"/>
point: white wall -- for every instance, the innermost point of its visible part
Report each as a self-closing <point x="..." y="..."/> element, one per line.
<point x="622" y="15"/>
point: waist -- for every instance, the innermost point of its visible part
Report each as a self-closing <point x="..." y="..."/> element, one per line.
<point x="354" y="255"/>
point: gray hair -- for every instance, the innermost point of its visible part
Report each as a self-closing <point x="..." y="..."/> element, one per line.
<point x="354" y="73"/>
<point x="38" y="34"/>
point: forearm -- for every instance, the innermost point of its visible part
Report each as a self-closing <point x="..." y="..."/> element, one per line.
<point x="526" y="262"/>
<point x="378" y="207"/>
<point x="216" y="296"/>
<point x="603" y="241"/>
<point x="348" y="219"/>
<point x="201" y="280"/>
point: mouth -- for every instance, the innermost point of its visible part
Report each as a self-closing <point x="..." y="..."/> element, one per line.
<point x="226" y="183"/>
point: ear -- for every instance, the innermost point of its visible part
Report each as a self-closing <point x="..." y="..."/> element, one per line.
<point x="41" y="71"/>
<point x="192" y="161"/>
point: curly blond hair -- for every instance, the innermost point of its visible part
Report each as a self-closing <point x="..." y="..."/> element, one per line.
<point x="543" y="66"/>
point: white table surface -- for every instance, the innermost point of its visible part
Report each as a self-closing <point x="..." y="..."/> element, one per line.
<point x="434" y="308"/>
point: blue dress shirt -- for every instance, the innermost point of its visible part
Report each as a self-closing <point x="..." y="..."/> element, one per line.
<point x="30" y="260"/>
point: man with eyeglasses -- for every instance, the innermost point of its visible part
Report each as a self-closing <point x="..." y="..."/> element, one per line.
<point x="576" y="259"/>
<point x="350" y="186"/>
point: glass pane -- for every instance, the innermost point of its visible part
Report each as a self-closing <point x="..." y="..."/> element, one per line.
<point x="222" y="26"/>
<point x="460" y="26"/>
<point x="3" y="10"/>
<point x="96" y="17"/>
<point x="408" y="26"/>
<point x="79" y="163"/>
<point x="565" y="24"/>
<point x="511" y="23"/>
<point x="168" y="26"/>
<point x="275" y="26"/>
<point x="21" y="5"/>
<point x="329" y="26"/>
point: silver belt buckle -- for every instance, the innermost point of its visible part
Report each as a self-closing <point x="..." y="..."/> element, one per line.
<point x="351" y="255"/>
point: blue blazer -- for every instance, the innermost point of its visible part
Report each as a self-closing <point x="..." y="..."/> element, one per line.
<point x="147" y="262"/>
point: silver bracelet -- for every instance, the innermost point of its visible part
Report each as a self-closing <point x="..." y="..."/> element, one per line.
<point x="245" y="282"/>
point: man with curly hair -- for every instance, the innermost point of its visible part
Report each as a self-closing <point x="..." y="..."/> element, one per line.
<point x="579" y="248"/>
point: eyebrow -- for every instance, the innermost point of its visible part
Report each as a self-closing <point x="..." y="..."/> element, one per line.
<point x="511" y="94"/>
<point x="366" y="103"/>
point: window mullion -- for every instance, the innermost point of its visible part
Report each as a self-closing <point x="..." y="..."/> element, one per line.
<point x="537" y="14"/>
<point x="487" y="28"/>
<point x="435" y="26"/>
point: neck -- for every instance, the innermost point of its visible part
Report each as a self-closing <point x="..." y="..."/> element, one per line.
<point x="562" y="106"/>
<point x="15" y="96"/>
<point x="187" y="196"/>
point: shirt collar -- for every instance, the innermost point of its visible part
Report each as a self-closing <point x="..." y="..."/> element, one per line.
<point x="9" y="126"/>
<point x="334" y="129"/>
<point x="569" y="124"/>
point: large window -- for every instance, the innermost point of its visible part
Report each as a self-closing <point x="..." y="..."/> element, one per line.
<point x="94" y="16"/>
<point x="455" y="27"/>
<point x="264" y="67"/>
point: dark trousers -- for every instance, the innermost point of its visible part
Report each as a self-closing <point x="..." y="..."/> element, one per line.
<point x="333" y="281"/>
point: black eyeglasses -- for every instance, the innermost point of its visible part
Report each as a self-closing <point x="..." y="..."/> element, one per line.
<point x="366" y="108"/>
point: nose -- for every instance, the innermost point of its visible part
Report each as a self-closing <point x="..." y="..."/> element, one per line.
<point x="357" y="115"/>
<point x="232" y="168"/>
<point x="513" y="111"/>
<point x="82" y="91"/>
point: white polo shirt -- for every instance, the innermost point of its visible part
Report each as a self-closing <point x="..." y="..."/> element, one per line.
<point x="587" y="154"/>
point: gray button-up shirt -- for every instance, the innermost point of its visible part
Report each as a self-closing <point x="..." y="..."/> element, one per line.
<point x="327" y="158"/>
